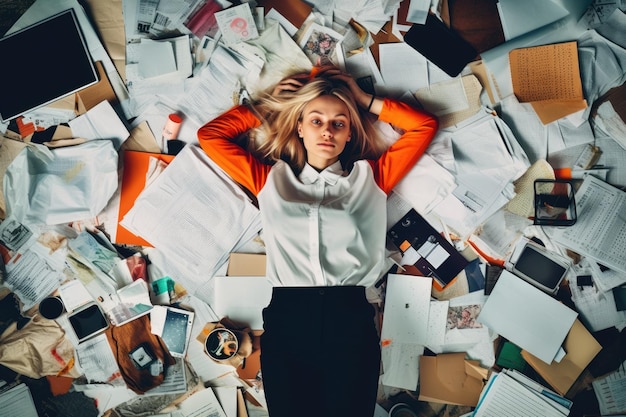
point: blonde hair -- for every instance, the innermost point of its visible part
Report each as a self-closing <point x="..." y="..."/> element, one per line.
<point x="279" y="136"/>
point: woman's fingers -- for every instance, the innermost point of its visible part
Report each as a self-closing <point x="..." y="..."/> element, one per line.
<point x="288" y="84"/>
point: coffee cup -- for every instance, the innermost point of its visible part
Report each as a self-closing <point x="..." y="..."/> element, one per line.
<point x="51" y="307"/>
<point x="402" y="410"/>
<point x="221" y="344"/>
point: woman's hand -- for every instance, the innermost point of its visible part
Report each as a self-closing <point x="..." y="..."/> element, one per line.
<point x="289" y="84"/>
<point x="367" y="101"/>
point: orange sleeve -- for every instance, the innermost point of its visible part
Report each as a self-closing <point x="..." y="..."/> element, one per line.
<point x="215" y="138"/>
<point x="419" y="129"/>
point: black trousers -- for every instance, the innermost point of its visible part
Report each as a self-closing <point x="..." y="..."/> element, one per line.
<point x="320" y="353"/>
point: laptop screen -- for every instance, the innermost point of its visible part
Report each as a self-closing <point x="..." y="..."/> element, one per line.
<point x="42" y="63"/>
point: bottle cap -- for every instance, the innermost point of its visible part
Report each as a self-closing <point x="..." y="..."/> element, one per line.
<point x="172" y="126"/>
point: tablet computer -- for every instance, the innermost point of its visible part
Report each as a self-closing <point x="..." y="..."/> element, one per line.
<point x="543" y="268"/>
<point x="88" y="321"/>
<point x="176" y="328"/>
<point x="44" y="62"/>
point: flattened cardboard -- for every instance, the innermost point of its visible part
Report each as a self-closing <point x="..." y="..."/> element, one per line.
<point x="141" y="139"/>
<point x="246" y="264"/>
<point x="108" y="20"/>
<point x="89" y="97"/>
<point x="450" y="379"/>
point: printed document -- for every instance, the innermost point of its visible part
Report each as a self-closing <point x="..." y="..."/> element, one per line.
<point x="195" y="214"/>
<point x="600" y="231"/>
<point x="504" y="395"/>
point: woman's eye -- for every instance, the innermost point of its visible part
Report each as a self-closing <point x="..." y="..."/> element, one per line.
<point x="339" y="124"/>
<point x="316" y="121"/>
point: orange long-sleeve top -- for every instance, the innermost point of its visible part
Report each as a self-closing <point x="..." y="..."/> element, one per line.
<point x="216" y="137"/>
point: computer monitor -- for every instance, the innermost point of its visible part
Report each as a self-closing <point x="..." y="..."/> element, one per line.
<point x="42" y="63"/>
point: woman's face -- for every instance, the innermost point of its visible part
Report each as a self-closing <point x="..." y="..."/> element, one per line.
<point x="325" y="130"/>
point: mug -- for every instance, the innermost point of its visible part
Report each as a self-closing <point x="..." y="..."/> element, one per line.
<point x="51" y="307"/>
<point x="402" y="410"/>
<point x="221" y="344"/>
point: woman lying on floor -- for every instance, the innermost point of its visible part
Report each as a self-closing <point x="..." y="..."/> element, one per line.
<point x="322" y="182"/>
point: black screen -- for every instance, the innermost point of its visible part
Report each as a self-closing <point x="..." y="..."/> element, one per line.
<point x="43" y="63"/>
<point x="441" y="45"/>
<point x="540" y="268"/>
<point x="88" y="321"/>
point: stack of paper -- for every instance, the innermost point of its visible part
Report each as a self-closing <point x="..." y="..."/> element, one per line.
<point x="18" y="401"/>
<point x="511" y="393"/>
<point x="601" y="227"/>
<point x="194" y="214"/>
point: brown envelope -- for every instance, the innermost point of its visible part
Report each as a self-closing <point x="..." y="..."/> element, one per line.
<point x="451" y="379"/>
<point x="581" y="348"/>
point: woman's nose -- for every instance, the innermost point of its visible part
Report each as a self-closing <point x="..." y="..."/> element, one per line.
<point x="327" y="132"/>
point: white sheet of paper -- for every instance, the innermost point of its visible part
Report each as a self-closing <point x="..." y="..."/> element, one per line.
<point x="155" y="58"/>
<point x="396" y="60"/>
<point x="237" y="24"/>
<point x="426" y="184"/>
<point x="242" y="299"/>
<point x="289" y="27"/>
<point x="407" y="302"/>
<point x="202" y="403"/>
<point x="100" y="122"/>
<point x="74" y="294"/>
<point x="519" y="18"/>
<point x="443" y="97"/>
<point x="401" y="365"/>
<point x="227" y="396"/>
<point x="418" y="11"/>
<point x="437" y="316"/>
<point x="527" y="316"/>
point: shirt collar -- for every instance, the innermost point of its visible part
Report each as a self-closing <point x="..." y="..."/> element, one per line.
<point x="330" y="174"/>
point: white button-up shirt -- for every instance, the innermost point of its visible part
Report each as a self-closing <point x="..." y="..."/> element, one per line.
<point x="323" y="228"/>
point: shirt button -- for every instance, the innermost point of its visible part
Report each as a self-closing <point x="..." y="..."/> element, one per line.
<point x="321" y="292"/>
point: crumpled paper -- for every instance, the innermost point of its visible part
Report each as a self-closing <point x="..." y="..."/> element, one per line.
<point x="57" y="186"/>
